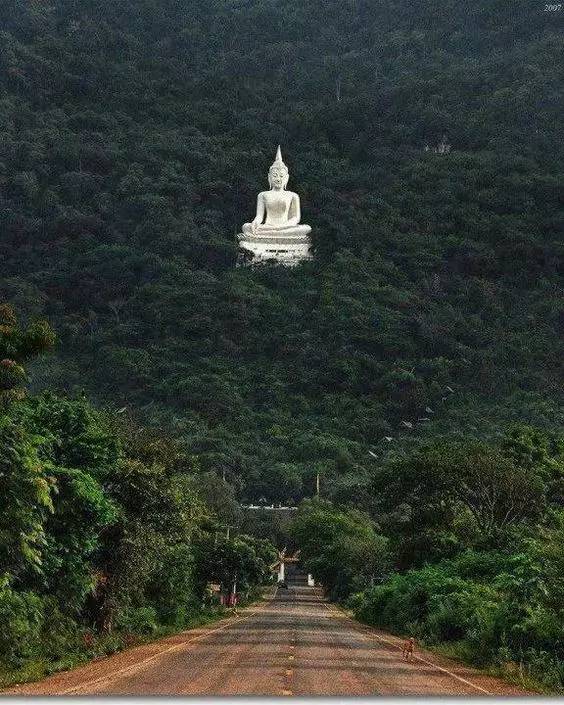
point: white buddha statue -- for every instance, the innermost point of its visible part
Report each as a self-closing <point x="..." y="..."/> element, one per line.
<point x="278" y="210"/>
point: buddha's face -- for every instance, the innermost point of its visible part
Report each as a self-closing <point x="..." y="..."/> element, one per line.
<point x="278" y="177"/>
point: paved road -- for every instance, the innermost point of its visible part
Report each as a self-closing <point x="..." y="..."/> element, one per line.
<point x="295" y="644"/>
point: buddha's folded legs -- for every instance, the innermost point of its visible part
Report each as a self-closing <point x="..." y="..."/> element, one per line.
<point x="286" y="231"/>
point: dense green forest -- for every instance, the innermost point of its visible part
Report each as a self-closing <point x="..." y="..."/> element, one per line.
<point x="415" y="364"/>
<point x="135" y="137"/>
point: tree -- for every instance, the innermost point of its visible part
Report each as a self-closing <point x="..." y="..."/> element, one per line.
<point x="453" y="494"/>
<point x="25" y="500"/>
<point x="18" y="345"/>
<point x="74" y="433"/>
<point x="158" y="510"/>
<point x="340" y="547"/>
<point x="81" y="511"/>
<point x="219" y="498"/>
<point x="242" y="560"/>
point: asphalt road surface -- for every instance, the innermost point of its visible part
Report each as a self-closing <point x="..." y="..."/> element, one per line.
<point x="294" y="644"/>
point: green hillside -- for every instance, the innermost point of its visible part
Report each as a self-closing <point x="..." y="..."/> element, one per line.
<point x="134" y="138"/>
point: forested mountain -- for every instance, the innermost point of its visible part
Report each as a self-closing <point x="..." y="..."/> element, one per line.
<point x="134" y="138"/>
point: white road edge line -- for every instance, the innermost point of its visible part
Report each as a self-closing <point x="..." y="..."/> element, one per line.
<point x="140" y="664"/>
<point x="453" y="675"/>
<point x="418" y="658"/>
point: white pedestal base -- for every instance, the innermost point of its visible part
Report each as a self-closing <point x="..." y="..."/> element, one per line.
<point x="288" y="251"/>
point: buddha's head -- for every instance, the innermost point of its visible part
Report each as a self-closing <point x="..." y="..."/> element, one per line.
<point x="278" y="173"/>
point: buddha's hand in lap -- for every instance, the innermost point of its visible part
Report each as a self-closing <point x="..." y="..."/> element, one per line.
<point x="249" y="228"/>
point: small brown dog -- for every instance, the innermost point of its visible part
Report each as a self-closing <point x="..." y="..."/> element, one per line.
<point x="407" y="648"/>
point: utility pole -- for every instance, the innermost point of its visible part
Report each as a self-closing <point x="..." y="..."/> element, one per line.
<point x="317" y="485"/>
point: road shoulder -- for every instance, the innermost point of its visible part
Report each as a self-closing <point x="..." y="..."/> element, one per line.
<point x="92" y="672"/>
<point x="482" y="682"/>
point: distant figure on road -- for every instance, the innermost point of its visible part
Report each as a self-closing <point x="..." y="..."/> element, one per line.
<point x="407" y="648"/>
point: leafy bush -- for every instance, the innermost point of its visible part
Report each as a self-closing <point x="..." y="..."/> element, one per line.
<point x="495" y="618"/>
<point x="61" y="635"/>
<point x="21" y="616"/>
<point x="138" y="620"/>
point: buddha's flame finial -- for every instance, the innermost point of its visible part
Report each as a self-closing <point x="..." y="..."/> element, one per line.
<point x="278" y="161"/>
